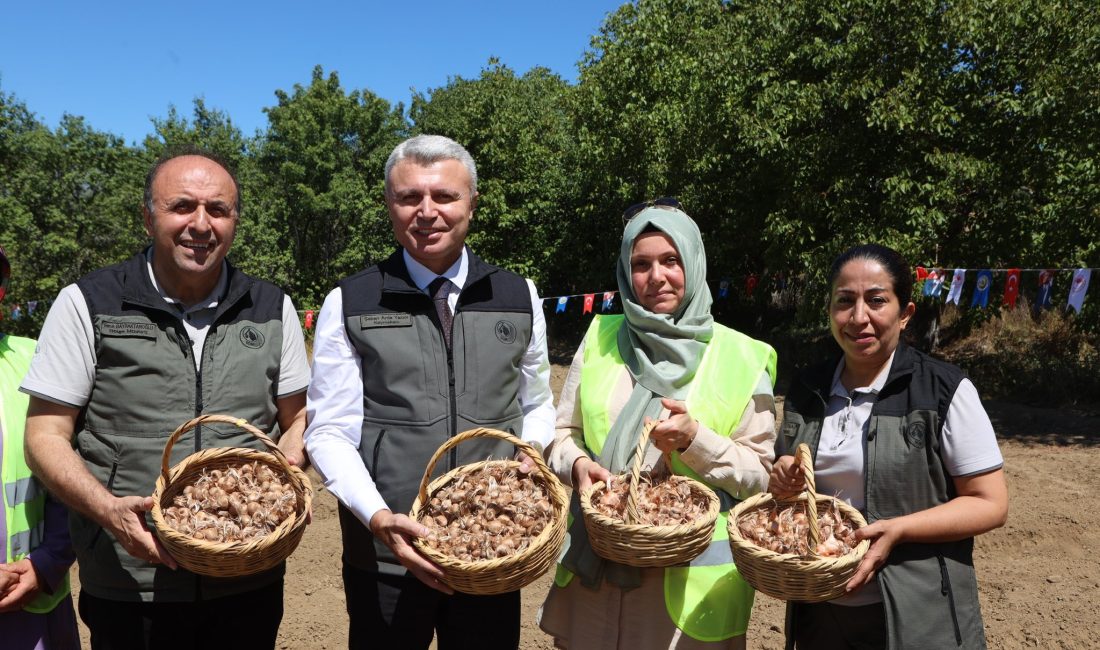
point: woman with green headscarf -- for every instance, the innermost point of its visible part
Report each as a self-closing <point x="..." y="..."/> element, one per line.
<point x="710" y="390"/>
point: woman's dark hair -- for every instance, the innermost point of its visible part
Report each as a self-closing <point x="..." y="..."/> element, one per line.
<point x="891" y="260"/>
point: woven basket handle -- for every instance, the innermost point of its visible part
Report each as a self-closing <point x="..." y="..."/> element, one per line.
<point x="632" y="514"/>
<point x="240" y="423"/>
<point x="480" y="432"/>
<point x="804" y="459"/>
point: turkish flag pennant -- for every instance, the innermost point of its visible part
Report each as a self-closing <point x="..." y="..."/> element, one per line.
<point x="309" y="319"/>
<point x="981" y="291"/>
<point x="956" y="286"/>
<point x="1012" y="288"/>
<point x="922" y="275"/>
<point x="723" y="288"/>
<point x="589" y="300"/>
<point x="1078" y="288"/>
<point x="562" y="302"/>
<point x="750" y="284"/>
<point x="1046" y="284"/>
<point x="608" y="300"/>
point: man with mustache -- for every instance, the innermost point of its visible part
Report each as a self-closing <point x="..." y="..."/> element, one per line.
<point x="127" y="354"/>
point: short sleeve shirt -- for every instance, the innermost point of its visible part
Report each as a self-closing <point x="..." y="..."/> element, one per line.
<point x="63" y="368"/>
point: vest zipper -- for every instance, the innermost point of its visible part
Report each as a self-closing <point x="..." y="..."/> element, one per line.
<point x="453" y="460"/>
<point x="945" y="589"/>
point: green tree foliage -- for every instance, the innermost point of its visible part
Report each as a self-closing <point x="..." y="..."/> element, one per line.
<point x="69" y="203"/>
<point x="962" y="133"/>
<point x="322" y="159"/>
<point x="518" y="130"/>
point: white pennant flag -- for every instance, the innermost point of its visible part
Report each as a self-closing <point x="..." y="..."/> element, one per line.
<point x="956" y="286"/>
<point x="1078" y="288"/>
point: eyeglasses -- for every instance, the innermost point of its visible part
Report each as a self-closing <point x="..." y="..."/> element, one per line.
<point x="665" y="202"/>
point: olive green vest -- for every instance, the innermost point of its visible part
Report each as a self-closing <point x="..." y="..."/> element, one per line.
<point x="417" y="393"/>
<point x="707" y="598"/>
<point x="24" y="498"/>
<point x="145" y="386"/>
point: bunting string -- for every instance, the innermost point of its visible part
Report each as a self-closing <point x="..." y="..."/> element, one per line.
<point x="931" y="283"/>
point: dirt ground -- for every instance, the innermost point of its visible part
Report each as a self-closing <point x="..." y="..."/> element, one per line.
<point x="1039" y="576"/>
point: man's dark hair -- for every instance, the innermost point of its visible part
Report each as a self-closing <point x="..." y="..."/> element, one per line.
<point x="171" y="153"/>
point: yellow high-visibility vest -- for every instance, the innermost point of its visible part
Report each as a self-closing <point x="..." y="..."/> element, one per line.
<point x="706" y="598"/>
<point x="24" y="498"/>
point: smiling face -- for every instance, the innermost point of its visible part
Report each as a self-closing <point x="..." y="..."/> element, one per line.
<point x="193" y="222"/>
<point x="657" y="273"/>
<point x="430" y="207"/>
<point x="865" y="316"/>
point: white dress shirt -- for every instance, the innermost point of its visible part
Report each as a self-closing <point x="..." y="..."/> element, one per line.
<point x="334" y="403"/>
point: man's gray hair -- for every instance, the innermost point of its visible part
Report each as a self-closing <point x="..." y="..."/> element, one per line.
<point x="428" y="149"/>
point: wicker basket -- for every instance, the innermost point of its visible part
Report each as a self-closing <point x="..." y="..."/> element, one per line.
<point x="645" y="545"/>
<point x="504" y="574"/>
<point x="228" y="559"/>
<point x="785" y="576"/>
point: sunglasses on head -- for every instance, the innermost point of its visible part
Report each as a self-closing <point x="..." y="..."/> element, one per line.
<point x="665" y="202"/>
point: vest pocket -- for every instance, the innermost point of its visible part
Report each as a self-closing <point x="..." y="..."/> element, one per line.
<point x="945" y="589"/>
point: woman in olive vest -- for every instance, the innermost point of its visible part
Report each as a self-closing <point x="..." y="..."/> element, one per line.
<point x="36" y="611"/>
<point x="710" y="389"/>
<point x="904" y="438"/>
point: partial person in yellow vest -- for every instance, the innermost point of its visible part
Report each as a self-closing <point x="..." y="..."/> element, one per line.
<point x="710" y="390"/>
<point x="36" y="611"/>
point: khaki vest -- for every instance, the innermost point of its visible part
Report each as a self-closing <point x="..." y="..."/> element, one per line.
<point x="145" y="386"/>
<point x="417" y="393"/>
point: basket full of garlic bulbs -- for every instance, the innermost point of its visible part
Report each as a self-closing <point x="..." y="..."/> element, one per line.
<point x="646" y="521"/>
<point x="799" y="547"/>
<point x="492" y="528"/>
<point x="230" y="511"/>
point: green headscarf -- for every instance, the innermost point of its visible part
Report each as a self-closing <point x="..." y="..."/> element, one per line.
<point x="662" y="353"/>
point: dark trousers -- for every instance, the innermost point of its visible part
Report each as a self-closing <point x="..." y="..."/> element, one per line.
<point x="824" y="626"/>
<point x="249" y="620"/>
<point x="398" y="612"/>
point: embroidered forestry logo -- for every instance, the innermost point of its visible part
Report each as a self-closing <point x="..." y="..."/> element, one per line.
<point x="983" y="282"/>
<point x="506" y="332"/>
<point x="252" y="338"/>
<point x="915" y="434"/>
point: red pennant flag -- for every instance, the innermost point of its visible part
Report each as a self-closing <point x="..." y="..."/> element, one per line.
<point x="922" y="274"/>
<point x="750" y="284"/>
<point x="1012" y="288"/>
<point x="309" y="319"/>
<point x="589" y="298"/>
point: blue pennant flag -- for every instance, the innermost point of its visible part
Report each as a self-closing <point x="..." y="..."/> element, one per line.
<point x="1046" y="283"/>
<point x="723" y="288"/>
<point x="562" y="302"/>
<point x="608" y="300"/>
<point x="981" y="290"/>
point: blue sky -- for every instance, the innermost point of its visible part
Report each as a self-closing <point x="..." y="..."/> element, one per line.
<point x="120" y="63"/>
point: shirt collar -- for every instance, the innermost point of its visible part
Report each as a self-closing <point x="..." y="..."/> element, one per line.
<point x="422" y="276"/>
<point x="209" y="302"/>
<point x="838" y="389"/>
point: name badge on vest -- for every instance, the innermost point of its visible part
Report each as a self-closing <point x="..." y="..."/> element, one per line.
<point x="128" y="328"/>
<point x="388" y="319"/>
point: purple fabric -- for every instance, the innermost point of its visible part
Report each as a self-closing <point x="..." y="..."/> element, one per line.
<point x="54" y="556"/>
<point x="53" y="631"/>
